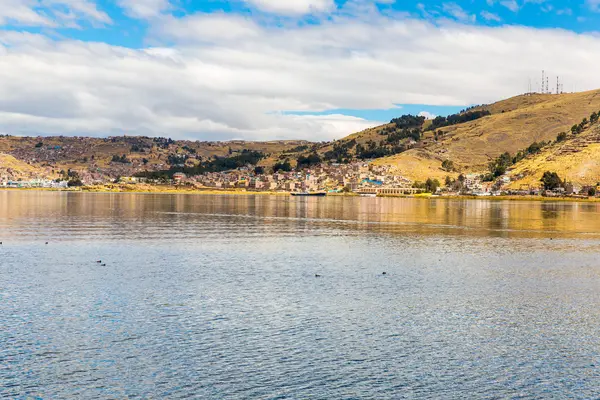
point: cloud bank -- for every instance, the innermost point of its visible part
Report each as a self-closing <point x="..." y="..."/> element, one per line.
<point x="223" y="76"/>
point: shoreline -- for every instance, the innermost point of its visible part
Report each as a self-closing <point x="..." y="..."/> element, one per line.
<point x="149" y="189"/>
<point x="500" y="198"/>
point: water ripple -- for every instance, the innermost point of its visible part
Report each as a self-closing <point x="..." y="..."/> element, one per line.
<point x="216" y="297"/>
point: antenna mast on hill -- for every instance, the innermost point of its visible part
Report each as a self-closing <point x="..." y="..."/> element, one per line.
<point x="542" y="82"/>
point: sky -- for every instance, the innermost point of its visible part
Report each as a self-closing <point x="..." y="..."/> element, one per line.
<point x="277" y="69"/>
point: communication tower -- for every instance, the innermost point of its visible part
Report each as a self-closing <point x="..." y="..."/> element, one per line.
<point x="542" y="82"/>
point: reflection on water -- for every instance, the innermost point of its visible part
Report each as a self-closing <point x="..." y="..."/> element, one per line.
<point x="137" y="216"/>
<point x="216" y="297"/>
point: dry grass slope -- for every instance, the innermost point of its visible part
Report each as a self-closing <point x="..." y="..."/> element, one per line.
<point x="12" y="168"/>
<point x="576" y="160"/>
<point x="514" y="124"/>
<point x="55" y="154"/>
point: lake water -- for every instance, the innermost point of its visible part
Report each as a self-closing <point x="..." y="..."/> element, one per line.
<point x="215" y="297"/>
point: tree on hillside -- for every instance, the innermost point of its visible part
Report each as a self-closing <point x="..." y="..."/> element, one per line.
<point x="408" y="121"/>
<point x="282" y="166"/>
<point x="535" y="148"/>
<point x="448" y="165"/>
<point x="551" y="180"/>
<point x="120" y="159"/>
<point x="594" y="118"/>
<point x="561" y="137"/>
<point x="340" y="152"/>
<point x="499" y="166"/>
<point x="308" y="161"/>
<point x="454" y="119"/>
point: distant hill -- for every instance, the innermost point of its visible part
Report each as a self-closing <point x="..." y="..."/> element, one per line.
<point x="505" y="126"/>
<point x="513" y="125"/>
<point x="106" y="158"/>
<point x="415" y="147"/>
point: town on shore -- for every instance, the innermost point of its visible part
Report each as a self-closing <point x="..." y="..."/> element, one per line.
<point x="409" y="156"/>
<point x="359" y="178"/>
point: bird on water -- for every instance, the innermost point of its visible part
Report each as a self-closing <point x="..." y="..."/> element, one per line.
<point x="317" y="276"/>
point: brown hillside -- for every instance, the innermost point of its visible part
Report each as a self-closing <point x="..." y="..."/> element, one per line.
<point x="11" y="168"/>
<point x="577" y="160"/>
<point x="471" y="145"/>
<point x="51" y="155"/>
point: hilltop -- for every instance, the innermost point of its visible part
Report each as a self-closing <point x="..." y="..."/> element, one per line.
<point x="513" y="125"/>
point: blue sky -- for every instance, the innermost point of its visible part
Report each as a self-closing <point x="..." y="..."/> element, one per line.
<point x="577" y="16"/>
<point x="265" y="69"/>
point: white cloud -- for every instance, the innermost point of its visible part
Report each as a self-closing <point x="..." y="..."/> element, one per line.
<point x="144" y="8"/>
<point x="512" y="5"/>
<point x="593" y="5"/>
<point x="208" y="28"/>
<point x="21" y="12"/>
<point x="78" y="9"/>
<point x="427" y="115"/>
<point x="488" y="16"/>
<point x="224" y="76"/>
<point x="457" y="12"/>
<point x="293" y="7"/>
<point x="50" y="13"/>
<point x="564" y="11"/>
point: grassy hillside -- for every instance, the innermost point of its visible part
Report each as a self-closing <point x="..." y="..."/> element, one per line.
<point x="11" y="168"/>
<point x="514" y="124"/>
<point x="576" y="160"/>
<point x="49" y="156"/>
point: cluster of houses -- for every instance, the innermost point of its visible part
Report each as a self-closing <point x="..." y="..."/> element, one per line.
<point x="473" y="185"/>
<point x="33" y="184"/>
<point x="335" y="177"/>
<point x="359" y="177"/>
